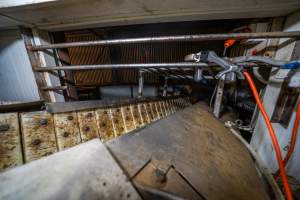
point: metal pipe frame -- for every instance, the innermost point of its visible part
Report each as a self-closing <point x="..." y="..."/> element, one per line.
<point x="179" y="38"/>
<point x="121" y="66"/>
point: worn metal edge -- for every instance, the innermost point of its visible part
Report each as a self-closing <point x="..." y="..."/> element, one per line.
<point x="265" y="172"/>
<point x="60" y="107"/>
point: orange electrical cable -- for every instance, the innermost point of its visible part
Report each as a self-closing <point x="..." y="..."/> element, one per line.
<point x="293" y="139"/>
<point x="229" y="43"/>
<point x="287" y="188"/>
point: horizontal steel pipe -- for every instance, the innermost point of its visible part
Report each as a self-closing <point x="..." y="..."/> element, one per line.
<point x="53" y="88"/>
<point x="120" y="66"/>
<point x="179" y="38"/>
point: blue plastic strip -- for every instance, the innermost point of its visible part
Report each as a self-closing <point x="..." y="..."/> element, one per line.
<point x="291" y="65"/>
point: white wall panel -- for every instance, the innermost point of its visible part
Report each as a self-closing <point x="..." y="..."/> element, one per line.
<point x="261" y="141"/>
<point x="17" y="81"/>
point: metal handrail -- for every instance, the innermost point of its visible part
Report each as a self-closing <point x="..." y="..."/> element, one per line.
<point x="178" y="38"/>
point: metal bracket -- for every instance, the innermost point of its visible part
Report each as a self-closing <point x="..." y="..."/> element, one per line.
<point x="211" y="56"/>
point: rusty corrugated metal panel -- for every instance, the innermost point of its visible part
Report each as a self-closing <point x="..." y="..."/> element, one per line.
<point x="89" y="55"/>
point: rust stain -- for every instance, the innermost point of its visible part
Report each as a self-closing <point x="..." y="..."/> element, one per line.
<point x="88" y="125"/>
<point x="171" y="109"/>
<point x="149" y="112"/>
<point x="177" y="105"/>
<point x="67" y="130"/>
<point x="159" y="111"/>
<point x="38" y="135"/>
<point x="167" y="111"/>
<point x="44" y="134"/>
<point x="162" y="108"/>
<point x="118" y="122"/>
<point x="137" y="116"/>
<point x="10" y="142"/>
<point x="154" y="111"/>
<point x="172" y="105"/>
<point x="105" y="125"/>
<point x="181" y="103"/>
<point x="128" y="118"/>
<point x="144" y="114"/>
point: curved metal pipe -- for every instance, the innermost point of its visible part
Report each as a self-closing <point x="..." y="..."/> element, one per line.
<point x="270" y="61"/>
<point x="259" y="77"/>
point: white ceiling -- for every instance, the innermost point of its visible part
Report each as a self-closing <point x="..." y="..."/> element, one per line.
<point x="73" y="14"/>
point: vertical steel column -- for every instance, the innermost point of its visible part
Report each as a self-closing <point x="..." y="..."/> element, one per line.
<point x="37" y="40"/>
<point x="165" y="87"/>
<point x="219" y="96"/>
<point x="141" y="83"/>
<point x="63" y="58"/>
<point x="41" y="82"/>
<point x="61" y="74"/>
<point x="198" y="74"/>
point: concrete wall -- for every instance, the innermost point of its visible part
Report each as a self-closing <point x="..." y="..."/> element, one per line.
<point x="261" y="141"/>
<point x="17" y="81"/>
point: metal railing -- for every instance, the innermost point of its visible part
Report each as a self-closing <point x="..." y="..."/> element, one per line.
<point x="164" y="68"/>
<point x="179" y="38"/>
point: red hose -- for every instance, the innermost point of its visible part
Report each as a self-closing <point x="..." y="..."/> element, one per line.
<point x="293" y="139"/>
<point x="287" y="188"/>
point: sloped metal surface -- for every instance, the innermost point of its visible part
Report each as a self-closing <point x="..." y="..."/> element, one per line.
<point x="199" y="148"/>
<point x="188" y="155"/>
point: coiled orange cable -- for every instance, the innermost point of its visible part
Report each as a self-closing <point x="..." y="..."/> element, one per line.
<point x="293" y="139"/>
<point x="287" y="188"/>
